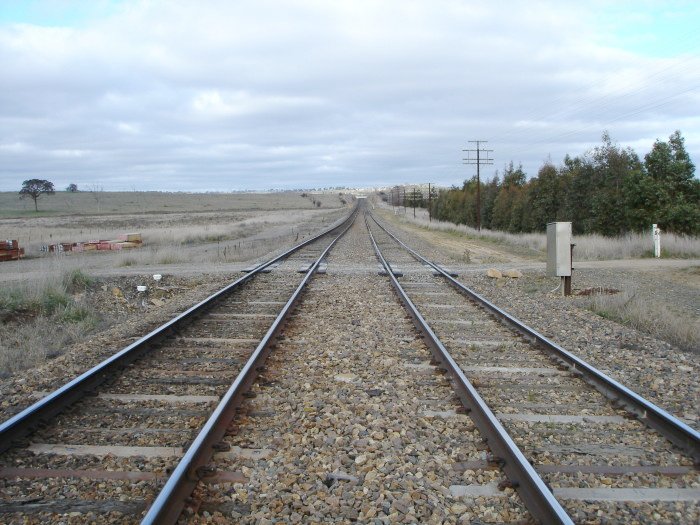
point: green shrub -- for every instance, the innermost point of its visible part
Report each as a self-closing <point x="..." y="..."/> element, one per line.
<point x="77" y="314"/>
<point x="12" y="300"/>
<point x="53" y="300"/>
<point x="76" y="280"/>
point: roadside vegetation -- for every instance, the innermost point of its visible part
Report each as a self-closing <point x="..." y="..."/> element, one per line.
<point x="648" y="316"/>
<point x="588" y="246"/>
<point x="607" y="191"/>
<point x="40" y="317"/>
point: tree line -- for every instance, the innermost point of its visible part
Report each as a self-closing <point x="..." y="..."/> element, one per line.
<point x="608" y="190"/>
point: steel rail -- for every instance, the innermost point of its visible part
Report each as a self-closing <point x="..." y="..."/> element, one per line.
<point x="24" y="422"/>
<point x="672" y="428"/>
<point x="193" y="466"/>
<point x="538" y="499"/>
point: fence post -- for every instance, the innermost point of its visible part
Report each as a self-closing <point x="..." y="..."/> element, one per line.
<point x="656" y="234"/>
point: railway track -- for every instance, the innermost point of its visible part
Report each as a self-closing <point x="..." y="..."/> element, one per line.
<point x="136" y="431"/>
<point x="359" y="414"/>
<point x="351" y="423"/>
<point x="603" y="451"/>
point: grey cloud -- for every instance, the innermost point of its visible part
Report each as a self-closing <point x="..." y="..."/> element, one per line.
<point x="226" y="95"/>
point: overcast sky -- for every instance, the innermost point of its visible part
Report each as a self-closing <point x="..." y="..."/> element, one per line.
<point x="232" y="95"/>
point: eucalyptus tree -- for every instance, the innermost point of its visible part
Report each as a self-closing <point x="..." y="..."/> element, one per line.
<point x="35" y="188"/>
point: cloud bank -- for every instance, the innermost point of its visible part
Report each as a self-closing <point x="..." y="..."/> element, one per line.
<point x="180" y="95"/>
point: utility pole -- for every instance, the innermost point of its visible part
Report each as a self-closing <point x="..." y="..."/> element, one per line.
<point x="414" y="198"/>
<point x="478" y="161"/>
<point x="430" y="205"/>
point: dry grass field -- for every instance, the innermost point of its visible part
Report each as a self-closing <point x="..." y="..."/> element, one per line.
<point x="166" y="220"/>
<point x="135" y="202"/>
<point x="49" y="301"/>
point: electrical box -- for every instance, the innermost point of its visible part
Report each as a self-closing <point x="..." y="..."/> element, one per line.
<point x="559" y="249"/>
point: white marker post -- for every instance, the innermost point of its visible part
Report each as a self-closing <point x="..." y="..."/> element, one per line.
<point x="143" y="290"/>
<point x="656" y="234"/>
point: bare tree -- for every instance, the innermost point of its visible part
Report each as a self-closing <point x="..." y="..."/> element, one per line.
<point x="96" y="191"/>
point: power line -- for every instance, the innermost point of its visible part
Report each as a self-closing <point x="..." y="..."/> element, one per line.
<point x="547" y="139"/>
<point x="666" y="70"/>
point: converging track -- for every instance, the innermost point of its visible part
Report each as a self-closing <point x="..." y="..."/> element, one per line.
<point x="351" y="423"/>
<point x="347" y="395"/>
<point x="587" y="436"/>
<point x="104" y="444"/>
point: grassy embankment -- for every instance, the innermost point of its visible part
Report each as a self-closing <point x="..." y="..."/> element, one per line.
<point x="41" y="317"/>
<point x="653" y="317"/>
<point x="588" y="247"/>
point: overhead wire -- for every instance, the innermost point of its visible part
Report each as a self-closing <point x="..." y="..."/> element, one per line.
<point x="672" y="71"/>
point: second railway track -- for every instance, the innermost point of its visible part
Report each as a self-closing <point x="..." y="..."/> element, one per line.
<point x="356" y="416"/>
<point x="598" y="456"/>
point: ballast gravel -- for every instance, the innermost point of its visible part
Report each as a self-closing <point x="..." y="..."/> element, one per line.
<point x="664" y="375"/>
<point x="660" y="372"/>
<point x="372" y="435"/>
<point x="510" y="373"/>
<point x="345" y="427"/>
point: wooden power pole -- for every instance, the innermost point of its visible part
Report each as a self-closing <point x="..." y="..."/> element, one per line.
<point x="478" y="161"/>
<point x="430" y="205"/>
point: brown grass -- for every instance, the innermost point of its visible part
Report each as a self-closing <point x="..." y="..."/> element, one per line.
<point x="134" y="202"/>
<point x="652" y="317"/>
